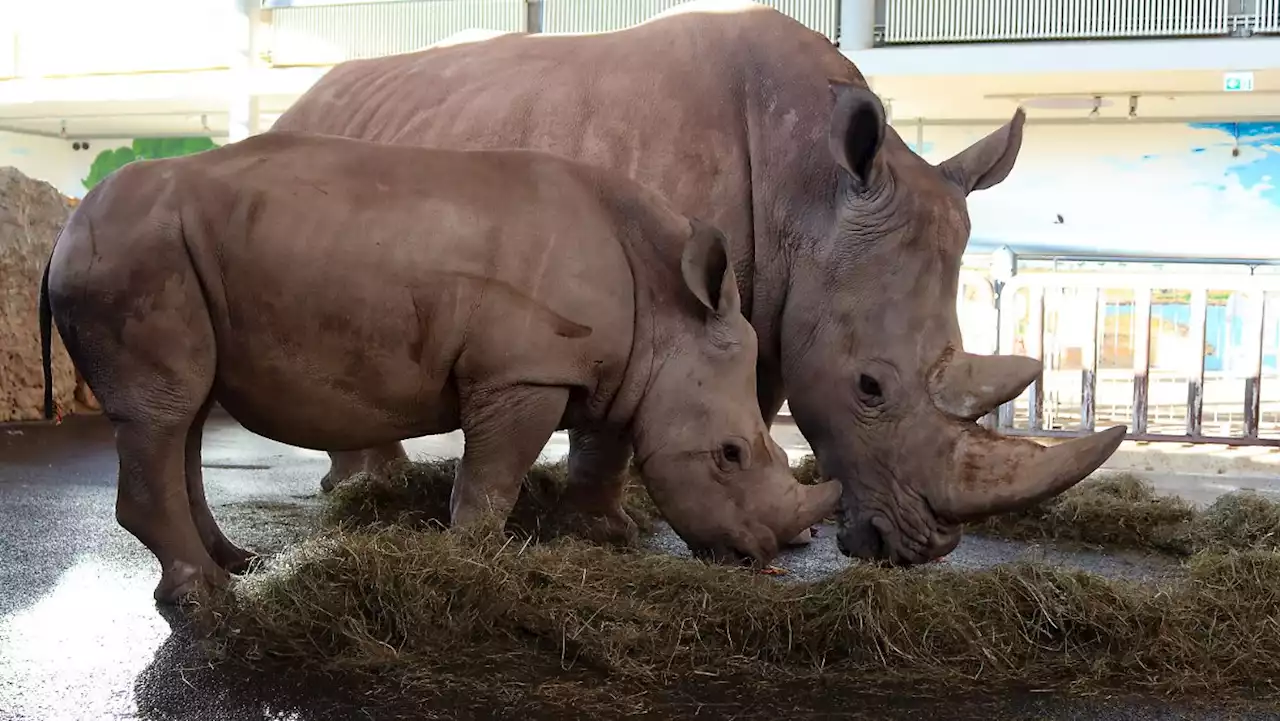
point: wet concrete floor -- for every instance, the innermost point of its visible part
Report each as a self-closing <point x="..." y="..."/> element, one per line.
<point x="81" y="638"/>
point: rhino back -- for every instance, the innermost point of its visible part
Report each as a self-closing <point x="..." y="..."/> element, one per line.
<point x="374" y="279"/>
<point x="725" y="115"/>
<point x="599" y="99"/>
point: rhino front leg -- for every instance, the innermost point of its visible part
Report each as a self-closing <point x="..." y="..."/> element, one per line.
<point x="770" y="392"/>
<point x="504" y="431"/>
<point x="597" y="482"/>
<point x="345" y="464"/>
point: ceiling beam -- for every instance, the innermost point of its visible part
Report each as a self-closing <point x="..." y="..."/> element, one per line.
<point x="36" y="133"/>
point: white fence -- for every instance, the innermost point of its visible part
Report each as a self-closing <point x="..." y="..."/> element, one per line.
<point x="1267" y="17"/>
<point x="583" y="16"/>
<point x="939" y="21"/>
<point x="318" y="34"/>
<point x="1175" y="357"/>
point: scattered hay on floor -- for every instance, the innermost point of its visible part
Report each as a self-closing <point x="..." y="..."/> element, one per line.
<point x="416" y="495"/>
<point x="427" y="608"/>
<point x="1124" y="511"/>
<point x="1118" y="511"/>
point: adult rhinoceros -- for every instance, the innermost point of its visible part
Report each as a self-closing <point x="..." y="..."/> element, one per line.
<point x="846" y="244"/>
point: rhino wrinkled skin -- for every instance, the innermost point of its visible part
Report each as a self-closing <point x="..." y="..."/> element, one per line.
<point x="336" y="294"/>
<point x="846" y="244"/>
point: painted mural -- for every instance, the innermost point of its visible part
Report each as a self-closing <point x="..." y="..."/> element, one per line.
<point x="1205" y="188"/>
<point x="73" y="170"/>
<point x="1210" y="188"/>
<point x="113" y="159"/>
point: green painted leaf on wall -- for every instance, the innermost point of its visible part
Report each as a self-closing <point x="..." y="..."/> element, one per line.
<point x="170" y="147"/>
<point x="109" y="161"/>
<point x="106" y="162"/>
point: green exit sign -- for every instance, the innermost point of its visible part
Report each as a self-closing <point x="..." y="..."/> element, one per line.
<point x="1237" y="82"/>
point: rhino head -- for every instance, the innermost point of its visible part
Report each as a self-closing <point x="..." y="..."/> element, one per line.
<point x="702" y="446"/>
<point x="877" y="379"/>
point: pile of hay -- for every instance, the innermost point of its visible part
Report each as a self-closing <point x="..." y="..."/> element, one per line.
<point x="32" y="214"/>
<point x="1124" y="511"/>
<point x="1121" y="511"/>
<point x="384" y="593"/>
<point x="433" y="608"/>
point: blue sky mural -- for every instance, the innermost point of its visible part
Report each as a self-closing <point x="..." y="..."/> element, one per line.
<point x="1142" y="188"/>
<point x="1259" y="169"/>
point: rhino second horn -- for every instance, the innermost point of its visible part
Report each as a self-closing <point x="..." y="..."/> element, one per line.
<point x="1002" y="475"/>
<point x="969" y="386"/>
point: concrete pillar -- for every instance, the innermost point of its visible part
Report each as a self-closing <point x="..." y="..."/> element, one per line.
<point x="857" y="24"/>
<point x="245" y="117"/>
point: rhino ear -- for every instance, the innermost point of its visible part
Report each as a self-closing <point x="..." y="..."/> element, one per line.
<point x="707" y="271"/>
<point x="857" y="129"/>
<point x="988" y="161"/>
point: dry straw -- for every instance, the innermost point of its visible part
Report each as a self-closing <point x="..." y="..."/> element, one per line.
<point x="1125" y="512"/>
<point x="385" y="596"/>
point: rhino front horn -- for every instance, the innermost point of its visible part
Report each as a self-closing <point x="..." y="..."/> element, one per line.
<point x="814" y="503"/>
<point x="1000" y="474"/>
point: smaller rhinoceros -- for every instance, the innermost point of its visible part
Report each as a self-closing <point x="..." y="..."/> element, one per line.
<point x="337" y="294"/>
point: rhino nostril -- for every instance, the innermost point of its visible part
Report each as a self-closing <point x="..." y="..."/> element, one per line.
<point x="864" y="540"/>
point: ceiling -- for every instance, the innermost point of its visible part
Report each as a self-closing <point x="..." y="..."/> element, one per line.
<point x="1171" y="96"/>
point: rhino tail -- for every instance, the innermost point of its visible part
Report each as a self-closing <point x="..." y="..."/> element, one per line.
<point x="46" y="340"/>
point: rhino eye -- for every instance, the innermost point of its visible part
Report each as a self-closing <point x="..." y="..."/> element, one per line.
<point x="869" y="386"/>
<point x="733" y="457"/>
<point x="732" y="453"/>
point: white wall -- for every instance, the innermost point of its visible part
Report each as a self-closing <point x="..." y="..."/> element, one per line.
<point x="1120" y="188"/>
<point x="49" y="159"/>
<point x="56" y="161"/>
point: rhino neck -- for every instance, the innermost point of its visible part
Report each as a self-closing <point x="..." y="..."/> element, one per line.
<point x="654" y="260"/>
<point x="794" y="180"/>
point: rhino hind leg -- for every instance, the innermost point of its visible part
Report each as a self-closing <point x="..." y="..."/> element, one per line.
<point x="598" y="461"/>
<point x="345" y="464"/>
<point x="226" y="554"/>
<point x="151" y="504"/>
<point x="152" y="373"/>
<point x="504" y="431"/>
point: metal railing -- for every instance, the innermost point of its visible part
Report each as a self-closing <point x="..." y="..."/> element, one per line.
<point x="315" y="33"/>
<point x="318" y="35"/>
<point x="1267" y="17"/>
<point x="321" y="32"/>
<point x="966" y="21"/>
<point x="1165" y="391"/>
<point x="588" y="16"/>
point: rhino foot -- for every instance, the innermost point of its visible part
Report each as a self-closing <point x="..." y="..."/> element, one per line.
<point x="235" y="559"/>
<point x="327" y="483"/>
<point x="610" y="528"/>
<point x="179" y="580"/>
